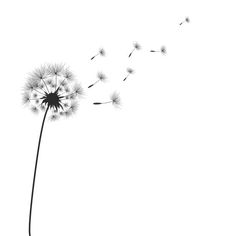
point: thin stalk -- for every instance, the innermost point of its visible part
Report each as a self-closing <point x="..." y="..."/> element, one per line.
<point x="93" y="84"/>
<point x="35" y="170"/>
<point x="126" y="77"/>
<point x="56" y="84"/>
<point x="131" y="52"/>
<point x="100" y="103"/>
<point x="94" y="56"/>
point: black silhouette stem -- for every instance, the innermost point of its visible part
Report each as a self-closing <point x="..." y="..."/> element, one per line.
<point x="131" y="52"/>
<point x="100" y="103"/>
<point x="126" y="77"/>
<point x="35" y="170"/>
<point x="94" y="56"/>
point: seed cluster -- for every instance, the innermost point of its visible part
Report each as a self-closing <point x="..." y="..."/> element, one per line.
<point x="52" y="87"/>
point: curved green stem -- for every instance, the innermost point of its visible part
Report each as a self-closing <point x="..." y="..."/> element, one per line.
<point x="35" y="170"/>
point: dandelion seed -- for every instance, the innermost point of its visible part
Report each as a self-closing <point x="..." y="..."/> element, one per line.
<point x="40" y="75"/>
<point x="130" y="71"/>
<point x="34" y="109"/>
<point x="136" y="47"/>
<point x="65" y="105"/>
<point x="67" y="90"/>
<point x="42" y="92"/>
<point x="68" y="75"/>
<point x="42" y="107"/>
<point x="101" y="77"/>
<point x="49" y="82"/>
<point x="26" y="98"/>
<point x="74" y="107"/>
<point x="114" y="99"/>
<point x="54" y="117"/>
<point x="101" y="52"/>
<point x="187" y="20"/>
<point x="55" y="69"/>
<point x="78" y="90"/>
<point x="162" y="50"/>
<point x="68" y="113"/>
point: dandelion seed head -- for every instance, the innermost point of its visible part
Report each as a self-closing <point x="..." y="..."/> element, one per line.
<point x="52" y="87"/>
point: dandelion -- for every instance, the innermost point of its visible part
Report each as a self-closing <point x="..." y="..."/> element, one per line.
<point x="101" y="77"/>
<point x="101" y="52"/>
<point x="136" y="47"/>
<point x="187" y="20"/>
<point x="130" y="71"/>
<point x="50" y="89"/>
<point x="162" y="50"/>
<point x="114" y="99"/>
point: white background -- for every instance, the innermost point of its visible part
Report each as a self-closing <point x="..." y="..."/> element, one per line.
<point x="164" y="164"/>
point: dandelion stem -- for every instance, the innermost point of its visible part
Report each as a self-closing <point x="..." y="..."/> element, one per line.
<point x="35" y="170"/>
